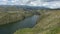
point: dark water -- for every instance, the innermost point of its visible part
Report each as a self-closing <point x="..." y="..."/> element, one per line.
<point x="26" y="23"/>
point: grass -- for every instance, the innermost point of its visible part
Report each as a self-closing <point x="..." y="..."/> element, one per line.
<point x="13" y="16"/>
<point x="24" y="31"/>
<point x="54" y="31"/>
<point x="48" y="24"/>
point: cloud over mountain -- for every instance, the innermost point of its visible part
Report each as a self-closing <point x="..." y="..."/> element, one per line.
<point x="45" y="3"/>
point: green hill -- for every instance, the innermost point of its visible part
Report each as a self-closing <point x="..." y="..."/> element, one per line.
<point x="13" y="16"/>
<point x="49" y="23"/>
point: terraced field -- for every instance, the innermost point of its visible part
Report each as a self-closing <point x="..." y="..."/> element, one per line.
<point x="49" y="23"/>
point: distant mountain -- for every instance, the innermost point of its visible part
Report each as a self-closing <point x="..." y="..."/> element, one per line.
<point x="24" y="7"/>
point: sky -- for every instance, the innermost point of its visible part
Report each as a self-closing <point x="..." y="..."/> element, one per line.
<point x="45" y="3"/>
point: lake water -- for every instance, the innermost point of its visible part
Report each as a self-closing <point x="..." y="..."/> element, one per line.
<point x="26" y="23"/>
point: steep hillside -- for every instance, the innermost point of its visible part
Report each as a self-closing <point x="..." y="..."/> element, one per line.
<point x="13" y="16"/>
<point x="49" y="23"/>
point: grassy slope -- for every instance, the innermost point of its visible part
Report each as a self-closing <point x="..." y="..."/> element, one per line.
<point x="13" y="16"/>
<point x="48" y="24"/>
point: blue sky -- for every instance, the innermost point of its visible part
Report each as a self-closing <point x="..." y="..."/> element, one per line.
<point x="46" y="3"/>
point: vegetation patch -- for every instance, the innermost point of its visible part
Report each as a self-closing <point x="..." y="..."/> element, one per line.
<point x="48" y="24"/>
<point x="13" y="16"/>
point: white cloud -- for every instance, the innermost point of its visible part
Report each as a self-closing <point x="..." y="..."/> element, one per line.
<point x="35" y="3"/>
<point x="51" y="4"/>
<point x="54" y="4"/>
<point x="3" y="2"/>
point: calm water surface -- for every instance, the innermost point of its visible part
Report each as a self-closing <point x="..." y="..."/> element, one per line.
<point x="26" y="23"/>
